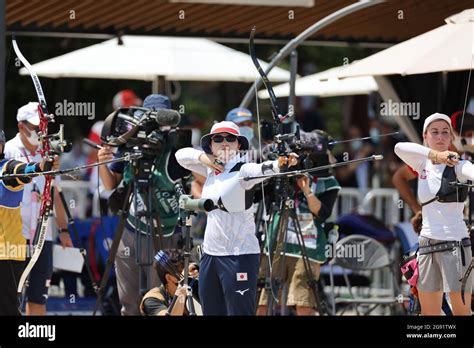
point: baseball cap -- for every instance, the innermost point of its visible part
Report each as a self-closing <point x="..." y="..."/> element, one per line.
<point x="125" y="99"/>
<point x="29" y="113"/>
<point x="239" y="115"/>
<point x="157" y="101"/>
<point x="436" y="117"/>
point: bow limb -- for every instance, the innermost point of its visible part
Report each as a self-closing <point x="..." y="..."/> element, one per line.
<point x="468" y="271"/>
<point x="34" y="77"/>
<point x="466" y="96"/>
<point x="266" y="82"/>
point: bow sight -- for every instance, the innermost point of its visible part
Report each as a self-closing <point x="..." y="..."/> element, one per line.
<point x="57" y="143"/>
<point x="311" y="147"/>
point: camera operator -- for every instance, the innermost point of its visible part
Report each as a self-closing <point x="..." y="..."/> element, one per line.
<point x="229" y="265"/>
<point x="166" y="174"/>
<point x="157" y="301"/>
<point x="315" y="198"/>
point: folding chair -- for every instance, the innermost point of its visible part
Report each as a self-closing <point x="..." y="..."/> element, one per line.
<point x="358" y="254"/>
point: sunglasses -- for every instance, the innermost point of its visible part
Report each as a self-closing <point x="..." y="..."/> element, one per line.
<point x="220" y="138"/>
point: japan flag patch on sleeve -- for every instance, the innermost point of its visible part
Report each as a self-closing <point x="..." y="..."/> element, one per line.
<point x="241" y="277"/>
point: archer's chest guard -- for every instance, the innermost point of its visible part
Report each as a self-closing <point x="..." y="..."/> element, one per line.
<point x="227" y="192"/>
<point x="449" y="193"/>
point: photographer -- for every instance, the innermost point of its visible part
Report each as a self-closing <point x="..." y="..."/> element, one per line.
<point x="229" y="265"/>
<point x="12" y="242"/>
<point x="166" y="174"/>
<point x="316" y="195"/>
<point x="156" y="302"/>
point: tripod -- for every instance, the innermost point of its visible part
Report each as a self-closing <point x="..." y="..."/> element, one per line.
<point x="185" y="218"/>
<point x="143" y="169"/>
<point x="285" y="211"/>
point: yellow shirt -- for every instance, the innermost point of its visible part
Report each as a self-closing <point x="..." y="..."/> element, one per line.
<point x="12" y="242"/>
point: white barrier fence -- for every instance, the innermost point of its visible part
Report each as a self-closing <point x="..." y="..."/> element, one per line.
<point x="384" y="203"/>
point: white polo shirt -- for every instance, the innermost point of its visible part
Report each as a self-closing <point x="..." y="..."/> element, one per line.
<point x="31" y="203"/>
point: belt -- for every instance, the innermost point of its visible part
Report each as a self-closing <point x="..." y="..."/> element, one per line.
<point x="443" y="246"/>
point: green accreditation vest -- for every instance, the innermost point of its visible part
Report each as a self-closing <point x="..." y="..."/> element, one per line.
<point x="314" y="237"/>
<point x="164" y="201"/>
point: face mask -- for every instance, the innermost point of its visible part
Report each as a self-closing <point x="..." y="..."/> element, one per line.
<point x="33" y="138"/>
<point x="356" y="145"/>
<point x="247" y="132"/>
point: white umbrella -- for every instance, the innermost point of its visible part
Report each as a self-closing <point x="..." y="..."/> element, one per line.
<point x="320" y="85"/>
<point x="146" y="57"/>
<point x="447" y="48"/>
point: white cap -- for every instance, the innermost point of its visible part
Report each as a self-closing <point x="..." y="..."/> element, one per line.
<point x="435" y="117"/>
<point x="29" y="113"/>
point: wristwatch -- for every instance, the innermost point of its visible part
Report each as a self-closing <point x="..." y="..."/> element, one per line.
<point x="63" y="230"/>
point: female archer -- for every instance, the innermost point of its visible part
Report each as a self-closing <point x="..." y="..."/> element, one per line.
<point x="229" y="265"/>
<point x="445" y="252"/>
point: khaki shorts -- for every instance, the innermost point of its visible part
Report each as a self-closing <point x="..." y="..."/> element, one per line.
<point x="299" y="293"/>
<point x="442" y="271"/>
